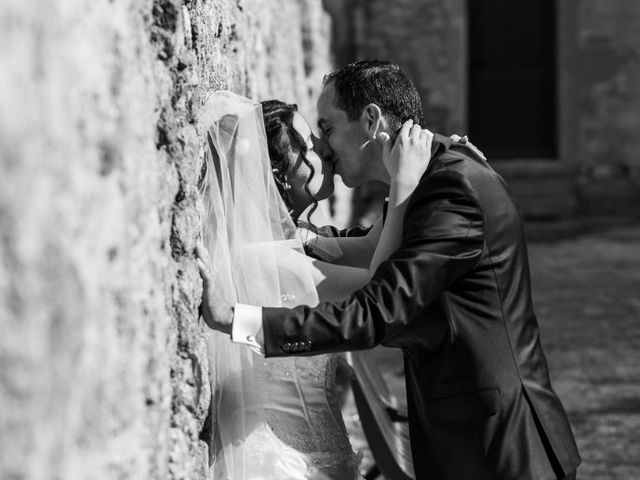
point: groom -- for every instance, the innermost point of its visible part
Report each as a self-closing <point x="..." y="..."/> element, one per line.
<point x="455" y="297"/>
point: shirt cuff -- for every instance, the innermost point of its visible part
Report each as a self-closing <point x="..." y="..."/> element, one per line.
<point x="247" y="323"/>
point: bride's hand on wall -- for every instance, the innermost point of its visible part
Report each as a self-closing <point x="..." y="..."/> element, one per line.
<point x="215" y="309"/>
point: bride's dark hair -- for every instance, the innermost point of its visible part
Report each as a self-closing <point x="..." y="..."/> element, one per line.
<point x="278" y="124"/>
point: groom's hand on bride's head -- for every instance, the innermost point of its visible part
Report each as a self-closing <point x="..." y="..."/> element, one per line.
<point x="215" y="309"/>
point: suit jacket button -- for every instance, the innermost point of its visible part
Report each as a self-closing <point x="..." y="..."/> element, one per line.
<point x="287" y="347"/>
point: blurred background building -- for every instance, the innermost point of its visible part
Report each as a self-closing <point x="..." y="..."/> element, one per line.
<point x="549" y="90"/>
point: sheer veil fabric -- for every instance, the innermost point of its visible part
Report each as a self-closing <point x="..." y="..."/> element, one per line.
<point x="254" y="250"/>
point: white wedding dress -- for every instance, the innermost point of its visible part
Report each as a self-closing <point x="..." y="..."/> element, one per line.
<point x="273" y="419"/>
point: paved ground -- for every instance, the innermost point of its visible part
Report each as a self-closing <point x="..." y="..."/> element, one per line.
<point x="587" y="297"/>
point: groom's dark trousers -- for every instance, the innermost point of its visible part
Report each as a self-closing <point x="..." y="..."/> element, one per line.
<point x="456" y="298"/>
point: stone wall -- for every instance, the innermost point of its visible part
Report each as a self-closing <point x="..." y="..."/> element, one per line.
<point x="103" y="369"/>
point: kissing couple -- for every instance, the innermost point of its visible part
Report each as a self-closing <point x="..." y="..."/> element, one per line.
<point x="443" y="275"/>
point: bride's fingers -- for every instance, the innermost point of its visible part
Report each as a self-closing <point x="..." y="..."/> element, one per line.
<point x="202" y="253"/>
<point x="415" y="132"/>
<point x="426" y="137"/>
<point x="205" y="273"/>
<point x="406" y="128"/>
<point x="384" y="140"/>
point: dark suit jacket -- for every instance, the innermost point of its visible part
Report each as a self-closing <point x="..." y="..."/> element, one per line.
<point x="456" y="298"/>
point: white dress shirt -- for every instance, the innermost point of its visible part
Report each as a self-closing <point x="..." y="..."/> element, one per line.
<point x="247" y="323"/>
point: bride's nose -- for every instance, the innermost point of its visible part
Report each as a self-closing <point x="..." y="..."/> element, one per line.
<point x="322" y="148"/>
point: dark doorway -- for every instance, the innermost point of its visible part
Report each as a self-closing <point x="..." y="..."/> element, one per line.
<point x="512" y="84"/>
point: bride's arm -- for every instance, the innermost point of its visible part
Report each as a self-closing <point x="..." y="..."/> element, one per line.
<point x="405" y="169"/>
<point x="337" y="282"/>
<point x="406" y="161"/>
<point x="354" y="251"/>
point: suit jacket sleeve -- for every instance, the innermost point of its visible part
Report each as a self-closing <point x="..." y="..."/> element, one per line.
<point x="442" y="240"/>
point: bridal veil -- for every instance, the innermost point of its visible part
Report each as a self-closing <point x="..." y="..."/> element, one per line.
<point x="255" y="252"/>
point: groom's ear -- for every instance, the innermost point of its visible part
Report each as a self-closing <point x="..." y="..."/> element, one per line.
<point x="371" y="120"/>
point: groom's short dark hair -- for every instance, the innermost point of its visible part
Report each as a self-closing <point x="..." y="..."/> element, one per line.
<point x="375" y="81"/>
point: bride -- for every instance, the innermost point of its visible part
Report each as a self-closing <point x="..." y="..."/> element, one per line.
<point x="279" y="419"/>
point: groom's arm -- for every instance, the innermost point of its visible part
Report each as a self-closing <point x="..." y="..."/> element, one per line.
<point x="442" y="240"/>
